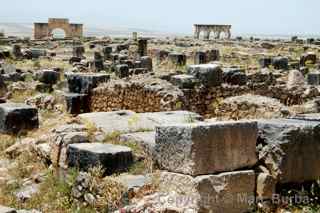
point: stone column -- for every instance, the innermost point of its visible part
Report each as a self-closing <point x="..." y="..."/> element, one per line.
<point x="218" y="34"/>
<point x="135" y="36"/>
<point x="207" y="34"/>
<point x="196" y="32"/>
<point x="229" y="33"/>
<point x="142" y="47"/>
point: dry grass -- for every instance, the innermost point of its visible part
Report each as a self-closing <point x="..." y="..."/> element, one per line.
<point x="41" y="64"/>
<point x="21" y="96"/>
<point x="6" y="141"/>
<point x="143" y="163"/>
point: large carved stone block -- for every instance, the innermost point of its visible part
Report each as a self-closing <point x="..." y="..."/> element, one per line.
<point x="206" y="148"/>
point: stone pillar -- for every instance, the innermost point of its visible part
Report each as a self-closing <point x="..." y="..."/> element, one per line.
<point x="142" y="47"/>
<point x="207" y="34"/>
<point x="16" y="51"/>
<point x="98" y="62"/>
<point x="228" y="33"/>
<point x="196" y="32"/>
<point x="78" y="51"/>
<point x="107" y="50"/>
<point x="135" y="36"/>
<point x="218" y="34"/>
<point x="200" y="57"/>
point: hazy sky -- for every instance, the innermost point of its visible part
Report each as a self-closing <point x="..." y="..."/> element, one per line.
<point x="246" y="16"/>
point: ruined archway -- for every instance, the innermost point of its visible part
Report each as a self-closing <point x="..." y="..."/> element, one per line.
<point x="44" y="30"/>
<point x="213" y="30"/>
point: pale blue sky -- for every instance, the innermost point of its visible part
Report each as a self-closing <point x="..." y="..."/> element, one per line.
<point x="246" y="16"/>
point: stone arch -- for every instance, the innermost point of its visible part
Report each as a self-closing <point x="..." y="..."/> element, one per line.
<point x="44" y="30"/>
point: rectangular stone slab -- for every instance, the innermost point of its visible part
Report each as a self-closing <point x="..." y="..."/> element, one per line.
<point x="111" y="157"/>
<point x="206" y="148"/>
<point x="16" y="117"/>
<point x="231" y="192"/>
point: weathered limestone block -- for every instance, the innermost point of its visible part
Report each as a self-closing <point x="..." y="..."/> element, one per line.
<point x="206" y="148"/>
<point x="84" y="82"/>
<point x="48" y="76"/>
<point x="146" y="62"/>
<point x="16" y="117"/>
<point x="291" y="150"/>
<point x="107" y="50"/>
<point x="142" y="47"/>
<point x="265" y="62"/>
<point x="122" y="71"/>
<point x="4" y="209"/>
<point x="66" y="135"/>
<point x="295" y="80"/>
<point x="184" y="81"/>
<point x="208" y="74"/>
<point x="234" y="76"/>
<point x="232" y="192"/>
<point x="313" y="78"/>
<point x="111" y="157"/>
<point x="146" y="140"/>
<point x="213" y="55"/>
<point x="76" y="103"/>
<point x="177" y="59"/>
<point x="161" y="55"/>
<point x="280" y="63"/>
<point x="98" y="62"/>
<point x="126" y="121"/>
<point x="37" y="53"/>
<point x="200" y="57"/>
<point x="16" y="51"/>
<point x="78" y="51"/>
<point x="3" y="87"/>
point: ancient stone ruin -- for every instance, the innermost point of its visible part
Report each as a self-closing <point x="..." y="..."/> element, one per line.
<point x="44" y="30"/>
<point x="144" y="124"/>
<point x="207" y="29"/>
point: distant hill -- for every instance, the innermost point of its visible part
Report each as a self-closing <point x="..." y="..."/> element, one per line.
<point x="26" y="30"/>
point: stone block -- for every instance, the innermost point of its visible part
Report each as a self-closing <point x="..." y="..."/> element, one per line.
<point x="146" y="62"/>
<point x="48" y="76"/>
<point x="16" y="117"/>
<point x="76" y="103"/>
<point x="291" y="150"/>
<point x="200" y="57"/>
<point x="126" y="121"/>
<point x="107" y="50"/>
<point x="111" y="157"/>
<point x="232" y="192"/>
<point x="213" y="55"/>
<point x="83" y="83"/>
<point x="78" y="51"/>
<point x="234" y="77"/>
<point x="184" y="81"/>
<point x="177" y="59"/>
<point x="280" y="63"/>
<point x="208" y="74"/>
<point x="206" y="148"/>
<point x="146" y="140"/>
<point x="4" y="209"/>
<point x="122" y="71"/>
<point x="313" y="78"/>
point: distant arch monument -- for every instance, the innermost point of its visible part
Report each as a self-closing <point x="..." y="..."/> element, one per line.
<point x="207" y="29"/>
<point x="45" y="30"/>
